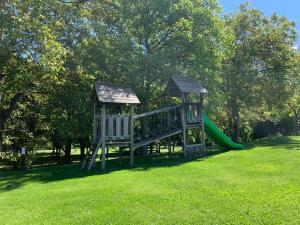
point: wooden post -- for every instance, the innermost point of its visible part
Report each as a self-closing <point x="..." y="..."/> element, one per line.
<point x="95" y="123"/>
<point x="169" y="122"/>
<point x="93" y="146"/>
<point x="103" y="136"/>
<point x="202" y="122"/>
<point x="93" y="159"/>
<point x="120" y="155"/>
<point x="183" y="126"/>
<point x="169" y="146"/>
<point x="131" y="135"/>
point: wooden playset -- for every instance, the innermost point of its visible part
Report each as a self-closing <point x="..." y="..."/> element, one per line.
<point x="116" y="125"/>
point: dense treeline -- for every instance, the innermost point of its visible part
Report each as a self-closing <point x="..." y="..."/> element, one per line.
<point x="52" y="51"/>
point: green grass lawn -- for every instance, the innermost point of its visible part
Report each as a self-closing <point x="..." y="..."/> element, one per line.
<point x="259" y="185"/>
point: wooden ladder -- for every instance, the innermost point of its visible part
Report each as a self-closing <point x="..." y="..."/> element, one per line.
<point x="91" y="159"/>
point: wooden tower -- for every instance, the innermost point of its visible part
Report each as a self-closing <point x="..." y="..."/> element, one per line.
<point x="115" y="125"/>
<point x="112" y="123"/>
<point x="192" y="94"/>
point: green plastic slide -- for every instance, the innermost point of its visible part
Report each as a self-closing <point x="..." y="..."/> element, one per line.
<point x="218" y="136"/>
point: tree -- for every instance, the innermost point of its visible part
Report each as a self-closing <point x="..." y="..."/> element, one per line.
<point x="258" y="64"/>
<point x="142" y="43"/>
<point x="69" y="112"/>
<point x="29" y="52"/>
<point x="292" y="105"/>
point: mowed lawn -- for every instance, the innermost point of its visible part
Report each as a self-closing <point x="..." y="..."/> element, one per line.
<point x="259" y="185"/>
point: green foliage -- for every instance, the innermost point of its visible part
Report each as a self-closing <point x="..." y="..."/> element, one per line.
<point x="51" y="52"/>
<point x="259" y="62"/>
<point x="145" y="42"/>
<point x="9" y="156"/>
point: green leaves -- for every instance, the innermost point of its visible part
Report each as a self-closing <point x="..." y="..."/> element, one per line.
<point x="53" y="52"/>
<point x="259" y="61"/>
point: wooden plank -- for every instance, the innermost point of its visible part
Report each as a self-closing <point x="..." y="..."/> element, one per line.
<point x="99" y="134"/>
<point x="203" y="132"/>
<point x="118" y="144"/>
<point x="169" y="124"/>
<point x="115" y="94"/>
<point x="169" y="146"/>
<point x="94" y="124"/>
<point x="103" y="139"/>
<point x="153" y="139"/>
<point x="132" y="135"/>
<point x="86" y="158"/>
<point x="118" y="127"/>
<point x="120" y="155"/>
<point x="125" y="127"/>
<point x="156" y="111"/>
<point x="183" y="126"/>
<point x="110" y="127"/>
<point x="186" y="85"/>
<point x="115" y="128"/>
<point x="94" y="155"/>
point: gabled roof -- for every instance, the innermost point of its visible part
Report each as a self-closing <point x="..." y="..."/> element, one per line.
<point x="183" y="85"/>
<point x="115" y="94"/>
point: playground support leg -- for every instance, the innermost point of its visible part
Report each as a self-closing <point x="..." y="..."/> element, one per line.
<point x="103" y="157"/>
<point x="131" y="135"/>
<point x="103" y="137"/>
<point x="131" y="155"/>
<point x="169" y="146"/>
<point x="183" y="131"/>
<point x="120" y="155"/>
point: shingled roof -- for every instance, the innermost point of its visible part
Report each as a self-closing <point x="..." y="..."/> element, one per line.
<point x="115" y="94"/>
<point x="183" y="85"/>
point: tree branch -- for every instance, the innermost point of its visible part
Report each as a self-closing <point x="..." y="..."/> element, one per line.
<point x="12" y="105"/>
<point x="73" y="2"/>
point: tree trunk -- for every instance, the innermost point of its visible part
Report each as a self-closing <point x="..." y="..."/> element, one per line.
<point x="82" y="147"/>
<point x="1" y="135"/>
<point x="235" y="123"/>
<point x="2" y="122"/>
<point x="5" y="114"/>
<point x="68" y="151"/>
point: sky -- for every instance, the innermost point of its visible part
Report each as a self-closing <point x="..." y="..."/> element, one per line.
<point x="288" y="8"/>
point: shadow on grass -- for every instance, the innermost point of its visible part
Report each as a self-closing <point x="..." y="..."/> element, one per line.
<point x="276" y="142"/>
<point x="12" y="180"/>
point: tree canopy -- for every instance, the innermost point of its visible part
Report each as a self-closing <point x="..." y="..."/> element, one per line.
<point x="51" y="52"/>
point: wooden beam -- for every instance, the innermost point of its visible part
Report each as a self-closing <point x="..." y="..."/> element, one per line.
<point x="103" y="134"/>
<point x="183" y="125"/>
<point x="118" y="127"/>
<point x="94" y="124"/>
<point x="169" y="146"/>
<point x="162" y="136"/>
<point x="156" y="111"/>
<point x="202" y="109"/>
<point x="120" y="155"/>
<point x="93" y="159"/>
<point x="132" y="135"/>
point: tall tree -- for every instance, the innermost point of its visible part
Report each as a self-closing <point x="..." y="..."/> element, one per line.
<point x="259" y="62"/>
<point x="29" y="52"/>
<point x="142" y="43"/>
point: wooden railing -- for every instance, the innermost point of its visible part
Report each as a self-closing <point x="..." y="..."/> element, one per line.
<point x="193" y="113"/>
<point x="156" y="123"/>
<point x="117" y="127"/>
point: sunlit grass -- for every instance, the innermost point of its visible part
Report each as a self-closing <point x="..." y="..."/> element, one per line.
<point x="259" y="185"/>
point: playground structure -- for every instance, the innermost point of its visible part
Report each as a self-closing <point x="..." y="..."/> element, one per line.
<point x="116" y="125"/>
